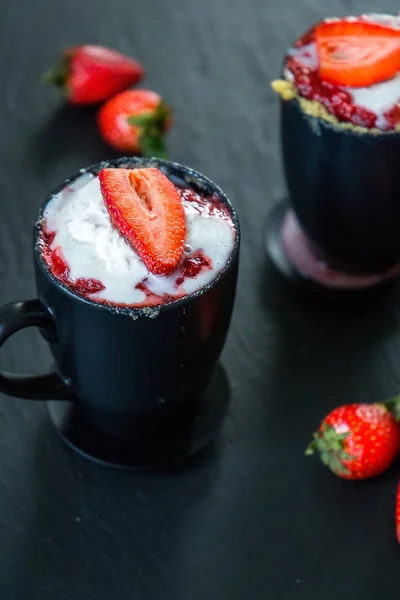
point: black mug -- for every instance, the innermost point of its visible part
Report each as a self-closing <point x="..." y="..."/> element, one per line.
<point x="133" y="371"/>
<point x="345" y="190"/>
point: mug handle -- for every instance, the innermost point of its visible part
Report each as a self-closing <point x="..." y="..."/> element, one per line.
<point x="16" y="316"/>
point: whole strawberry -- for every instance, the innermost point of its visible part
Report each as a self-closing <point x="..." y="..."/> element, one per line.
<point x="135" y="121"/>
<point x="357" y="441"/>
<point x="91" y="74"/>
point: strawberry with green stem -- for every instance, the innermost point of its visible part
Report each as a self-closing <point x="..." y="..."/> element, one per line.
<point x="91" y="74"/>
<point x="135" y="121"/>
<point x="358" y="441"/>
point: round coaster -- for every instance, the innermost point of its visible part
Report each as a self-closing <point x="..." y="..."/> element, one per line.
<point x="191" y="432"/>
<point x="290" y="253"/>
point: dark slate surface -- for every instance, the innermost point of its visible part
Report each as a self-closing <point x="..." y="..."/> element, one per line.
<point x="252" y="519"/>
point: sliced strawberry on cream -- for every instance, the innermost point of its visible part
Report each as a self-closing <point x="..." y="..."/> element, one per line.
<point x="357" y="53"/>
<point x="146" y="208"/>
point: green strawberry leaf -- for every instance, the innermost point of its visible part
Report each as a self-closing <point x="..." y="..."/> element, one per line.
<point x="329" y="444"/>
<point x="161" y="115"/>
<point x="59" y="75"/>
<point x="153" y="145"/>
<point x="152" y="127"/>
<point x="143" y="120"/>
<point x="393" y="405"/>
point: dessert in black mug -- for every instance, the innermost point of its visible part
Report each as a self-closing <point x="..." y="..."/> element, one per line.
<point x="340" y="126"/>
<point x="136" y="266"/>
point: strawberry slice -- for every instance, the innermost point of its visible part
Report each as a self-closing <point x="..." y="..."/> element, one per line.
<point x="357" y="53"/>
<point x="398" y="513"/>
<point x="147" y="210"/>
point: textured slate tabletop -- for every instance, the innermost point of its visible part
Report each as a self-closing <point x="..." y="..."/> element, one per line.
<point x="252" y="518"/>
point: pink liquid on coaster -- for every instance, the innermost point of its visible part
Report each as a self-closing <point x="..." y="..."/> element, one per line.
<point x="373" y="106"/>
<point x="299" y="253"/>
<point x="86" y="253"/>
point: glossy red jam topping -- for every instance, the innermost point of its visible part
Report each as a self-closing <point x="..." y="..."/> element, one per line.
<point x="153" y="299"/>
<point x="335" y="99"/>
<point x="60" y="269"/>
<point x="392" y="116"/>
<point x="193" y="265"/>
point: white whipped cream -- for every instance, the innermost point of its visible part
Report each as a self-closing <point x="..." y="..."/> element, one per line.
<point x="378" y="98"/>
<point x="94" y="249"/>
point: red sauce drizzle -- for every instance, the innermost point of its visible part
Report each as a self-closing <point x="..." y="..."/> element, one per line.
<point x="336" y="100"/>
<point x="60" y="269"/>
<point x="192" y="265"/>
<point x="153" y="299"/>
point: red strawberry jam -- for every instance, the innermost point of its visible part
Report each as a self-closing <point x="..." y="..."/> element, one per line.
<point x="60" y="269"/>
<point x="153" y="299"/>
<point x="336" y="100"/>
<point x="193" y="265"/>
<point x="375" y="106"/>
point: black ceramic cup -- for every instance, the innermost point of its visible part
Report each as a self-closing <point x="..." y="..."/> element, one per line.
<point x="344" y="187"/>
<point x="133" y="371"/>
